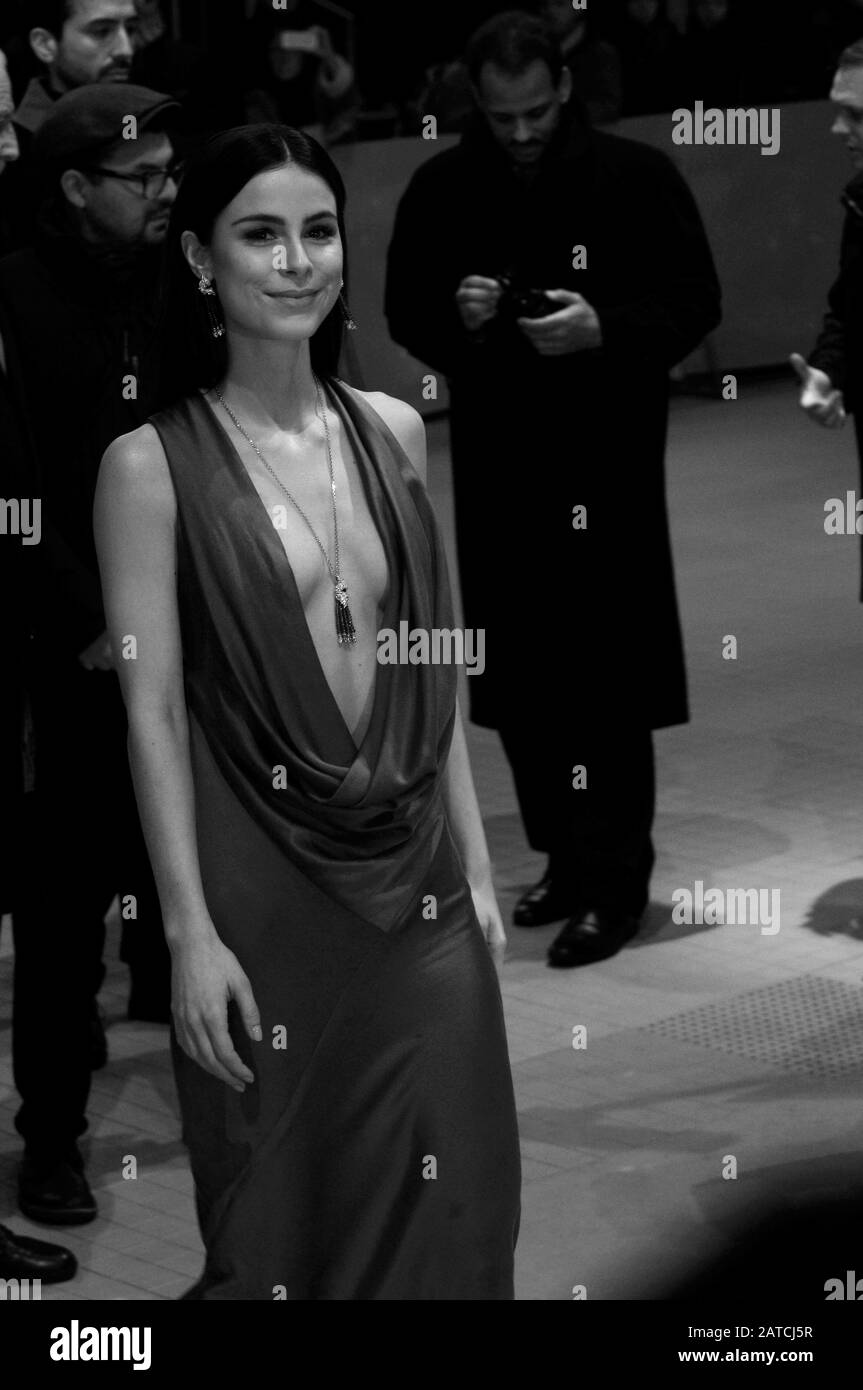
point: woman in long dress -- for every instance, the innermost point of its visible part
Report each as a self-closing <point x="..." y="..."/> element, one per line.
<point x="337" y="1038"/>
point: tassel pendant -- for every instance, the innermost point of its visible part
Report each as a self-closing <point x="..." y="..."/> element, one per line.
<point x="345" y="630"/>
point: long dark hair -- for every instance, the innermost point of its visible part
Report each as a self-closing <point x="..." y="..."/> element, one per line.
<point x="185" y="355"/>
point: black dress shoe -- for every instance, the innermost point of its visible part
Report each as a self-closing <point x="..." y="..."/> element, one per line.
<point x="55" y="1192"/>
<point x="24" y="1258"/>
<point x="592" y="935"/>
<point x="98" y="1041"/>
<point x="548" y="901"/>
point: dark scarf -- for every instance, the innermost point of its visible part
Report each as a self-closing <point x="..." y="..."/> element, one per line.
<point x="100" y="273"/>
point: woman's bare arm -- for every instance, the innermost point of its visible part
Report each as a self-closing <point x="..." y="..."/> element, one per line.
<point x="134" y="519"/>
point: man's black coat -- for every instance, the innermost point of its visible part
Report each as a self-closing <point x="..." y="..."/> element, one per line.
<point x="581" y="621"/>
<point x="76" y="324"/>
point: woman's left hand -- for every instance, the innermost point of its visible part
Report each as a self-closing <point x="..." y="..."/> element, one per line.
<point x="488" y="912"/>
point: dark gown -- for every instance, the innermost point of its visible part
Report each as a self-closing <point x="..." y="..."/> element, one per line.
<point x="376" y="1154"/>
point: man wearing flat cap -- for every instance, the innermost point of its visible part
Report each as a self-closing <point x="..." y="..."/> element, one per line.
<point x="75" y="42"/>
<point x="76" y="313"/>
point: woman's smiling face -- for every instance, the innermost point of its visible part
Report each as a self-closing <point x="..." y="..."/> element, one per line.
<point x="276" y="255"/>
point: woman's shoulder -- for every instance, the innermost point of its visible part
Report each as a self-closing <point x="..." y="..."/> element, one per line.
<point x="403" y="421"/>
<point x="139" y="450"/>
<point x="137" y="464"/>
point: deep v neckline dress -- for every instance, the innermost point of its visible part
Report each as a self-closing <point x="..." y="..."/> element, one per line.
<point x="376" y="1154"/>
<point x="282" y="563"/>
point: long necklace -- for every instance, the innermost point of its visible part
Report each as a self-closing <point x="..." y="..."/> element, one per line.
<point x="345" y="630"/>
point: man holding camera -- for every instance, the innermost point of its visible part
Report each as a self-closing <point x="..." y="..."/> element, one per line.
<point x="554" y="274"/>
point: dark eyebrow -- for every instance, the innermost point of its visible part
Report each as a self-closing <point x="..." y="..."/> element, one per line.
<point x="273" y="217"/>
<point x="135" y="168"/>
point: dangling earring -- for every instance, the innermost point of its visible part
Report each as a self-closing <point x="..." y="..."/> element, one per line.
<point x="346" y="314"/>
<point x="205" y="286"/>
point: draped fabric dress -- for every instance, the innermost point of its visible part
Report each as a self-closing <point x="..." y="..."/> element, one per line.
<point x="375" y="1156"/>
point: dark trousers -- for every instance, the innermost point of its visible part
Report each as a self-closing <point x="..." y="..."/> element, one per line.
<point x="79" y="843"/>
<point x="598" y="838"/>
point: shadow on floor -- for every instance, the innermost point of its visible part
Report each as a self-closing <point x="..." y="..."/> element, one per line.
<point x="799" y="1239"/>
<point x="839" y="911"/>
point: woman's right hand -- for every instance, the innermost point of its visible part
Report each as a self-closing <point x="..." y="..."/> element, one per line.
<point x="205" y="975"/>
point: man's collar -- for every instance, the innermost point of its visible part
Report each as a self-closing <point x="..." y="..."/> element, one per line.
<point x="36" y="105"/>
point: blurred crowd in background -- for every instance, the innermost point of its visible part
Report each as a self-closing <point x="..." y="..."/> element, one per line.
<point x="354" y="73"/>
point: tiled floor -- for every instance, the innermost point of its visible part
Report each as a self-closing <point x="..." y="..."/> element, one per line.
<point x="625" y="1140"/>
